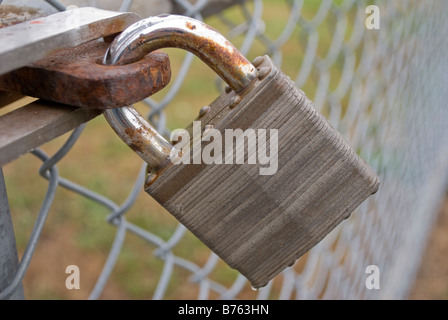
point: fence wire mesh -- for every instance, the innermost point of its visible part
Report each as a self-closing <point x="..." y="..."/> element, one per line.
<point x="385" y="90"/>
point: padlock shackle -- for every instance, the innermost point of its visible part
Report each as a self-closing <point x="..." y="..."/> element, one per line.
<point x="174" y="31"/>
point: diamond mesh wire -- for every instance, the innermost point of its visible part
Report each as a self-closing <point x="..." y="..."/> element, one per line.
<point x="385" y="90"/>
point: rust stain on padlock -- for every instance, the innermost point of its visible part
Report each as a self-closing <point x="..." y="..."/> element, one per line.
<point x="190" y="25"/>
<point x="134" y="134"/>
<point x="222" y="54"/>
<point x="77" y="77"/>
<point x="137" y="141"/>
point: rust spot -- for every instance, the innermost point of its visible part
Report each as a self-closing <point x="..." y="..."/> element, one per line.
<point x="190" y="25"/>
<point x="153" y="175"/>
<point x="224" y="58"/>
<point x="130" y="132"/>
<point x="134" y="135"/>
<point x="150" y="179"/>
<point x="141" y="40"/>
<point x="133" y="147"/>
<point x="174" y="142"/>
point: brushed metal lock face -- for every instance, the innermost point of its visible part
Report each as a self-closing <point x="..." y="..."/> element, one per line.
<point x="259" y="216"/>
<point x="260" y="224"/>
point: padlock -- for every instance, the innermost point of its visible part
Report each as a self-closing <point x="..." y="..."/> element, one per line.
<point x="258" y="212"/>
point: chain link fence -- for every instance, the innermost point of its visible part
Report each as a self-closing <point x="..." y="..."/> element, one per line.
<point x="384" y="89"/>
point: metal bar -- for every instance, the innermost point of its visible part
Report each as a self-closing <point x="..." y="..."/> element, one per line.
<point x="9" y="260"/>
<point x="41" y="121"/>
<point x="30" y="41"/>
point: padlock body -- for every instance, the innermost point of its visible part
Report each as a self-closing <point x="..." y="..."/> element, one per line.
<point x="261" y="224"/>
